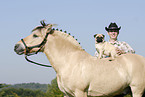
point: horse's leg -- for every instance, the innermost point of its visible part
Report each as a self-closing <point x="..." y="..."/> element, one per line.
<point x="79" y="93"/>
<point x="137" y="91"/>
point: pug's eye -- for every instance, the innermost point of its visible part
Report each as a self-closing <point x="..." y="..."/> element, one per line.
<point x="35" y="36"/>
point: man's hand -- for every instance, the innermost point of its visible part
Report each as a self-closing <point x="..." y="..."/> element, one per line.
<point x="119" y="52"/>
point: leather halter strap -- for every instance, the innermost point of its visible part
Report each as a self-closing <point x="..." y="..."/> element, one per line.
<point x="40" y="46"/>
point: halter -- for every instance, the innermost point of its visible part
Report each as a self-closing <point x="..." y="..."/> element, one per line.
<point x="40" y="46"/>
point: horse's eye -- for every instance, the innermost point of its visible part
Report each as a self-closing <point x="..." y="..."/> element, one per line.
<point x="35" y="35"/>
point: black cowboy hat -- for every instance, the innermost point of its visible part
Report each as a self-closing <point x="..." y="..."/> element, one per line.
<point x="112" y="26"/>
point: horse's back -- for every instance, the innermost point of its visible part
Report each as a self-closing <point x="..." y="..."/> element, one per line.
<point x="136" y="68"/>
<point x="124" y="70"/>
<point x="134" y="63"/>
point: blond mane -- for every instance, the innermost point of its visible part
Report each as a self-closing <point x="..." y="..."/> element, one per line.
<point x="68" y="37"/>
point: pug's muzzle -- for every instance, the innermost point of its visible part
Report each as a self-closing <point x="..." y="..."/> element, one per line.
<point x="99" y="39"/>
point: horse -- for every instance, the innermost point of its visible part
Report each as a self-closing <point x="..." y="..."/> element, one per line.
<point x="80" y="74"/>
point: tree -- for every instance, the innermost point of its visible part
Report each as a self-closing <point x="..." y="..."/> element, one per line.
<point x="3" y="85"/>
<point x="53" y="90"/>
<point x="12" y="92"/>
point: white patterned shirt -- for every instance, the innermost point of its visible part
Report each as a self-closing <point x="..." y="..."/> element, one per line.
<point x="122" y="46"/>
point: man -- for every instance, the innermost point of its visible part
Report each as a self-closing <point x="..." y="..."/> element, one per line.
<point x="121" y="47"/>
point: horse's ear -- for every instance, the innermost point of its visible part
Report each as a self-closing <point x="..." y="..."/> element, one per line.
<point x="49" y="28"/>
<point x="51" y="25"/>
<point x="103" y="35"/>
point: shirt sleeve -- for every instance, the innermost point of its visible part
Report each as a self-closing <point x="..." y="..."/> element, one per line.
<point x="127" y="48"/>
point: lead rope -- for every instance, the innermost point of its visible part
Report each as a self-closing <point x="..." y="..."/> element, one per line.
<point x="36" y="62"/>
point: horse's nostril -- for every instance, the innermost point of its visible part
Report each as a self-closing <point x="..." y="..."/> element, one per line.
<point x="19" y="49"/>
<point x="17" y="46"/>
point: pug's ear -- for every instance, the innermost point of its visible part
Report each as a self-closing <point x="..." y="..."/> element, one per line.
<point x="95" y="35"/>
<point x="103" y="35"/>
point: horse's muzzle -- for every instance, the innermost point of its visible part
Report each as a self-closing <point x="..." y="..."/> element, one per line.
<point x="19" y="49"/>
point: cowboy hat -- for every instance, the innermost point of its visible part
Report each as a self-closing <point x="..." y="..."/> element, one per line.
<point x="112" y="26"/>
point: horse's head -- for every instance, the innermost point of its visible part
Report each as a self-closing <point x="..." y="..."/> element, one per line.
<point x="34" y="42"/>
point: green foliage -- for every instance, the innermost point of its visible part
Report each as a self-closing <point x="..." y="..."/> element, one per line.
<point x="53" y="90"/>
<point x="3" y="85"/>
<point x="12" y="92"/>
<point x="33" y="90"/>
<point x="128" y="95"/>
<point x="32" y="86"/>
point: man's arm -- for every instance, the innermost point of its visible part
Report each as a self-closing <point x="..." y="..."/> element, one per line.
<point x="126" y="48"/>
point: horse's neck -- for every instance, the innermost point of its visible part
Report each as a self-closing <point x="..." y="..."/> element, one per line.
<point x="58" y="51"/>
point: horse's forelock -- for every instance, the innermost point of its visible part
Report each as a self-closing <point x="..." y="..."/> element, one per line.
<point x="40" y="27"/>
<point x="43" y="23"/>
<point x="37" y="28"/>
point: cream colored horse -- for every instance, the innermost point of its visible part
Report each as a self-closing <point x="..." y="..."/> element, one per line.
<point x="78" y="73"/>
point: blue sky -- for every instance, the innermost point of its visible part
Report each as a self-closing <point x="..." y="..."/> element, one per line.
<point x="81" y="18"/>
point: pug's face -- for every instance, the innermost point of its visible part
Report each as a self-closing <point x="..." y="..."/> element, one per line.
<point x="99" y="38"/>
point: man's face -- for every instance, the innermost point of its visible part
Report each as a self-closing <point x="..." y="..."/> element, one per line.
<point x="113" y="34"/>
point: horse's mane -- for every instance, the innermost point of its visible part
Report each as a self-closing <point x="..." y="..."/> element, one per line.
<point x="68" y="37"/>
<point x="64" y="35"/>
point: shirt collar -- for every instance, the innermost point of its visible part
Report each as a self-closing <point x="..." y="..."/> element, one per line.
<point x="115" y="42"/>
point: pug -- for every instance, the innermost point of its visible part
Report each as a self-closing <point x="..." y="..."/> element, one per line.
<point x="103" y="47"/>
